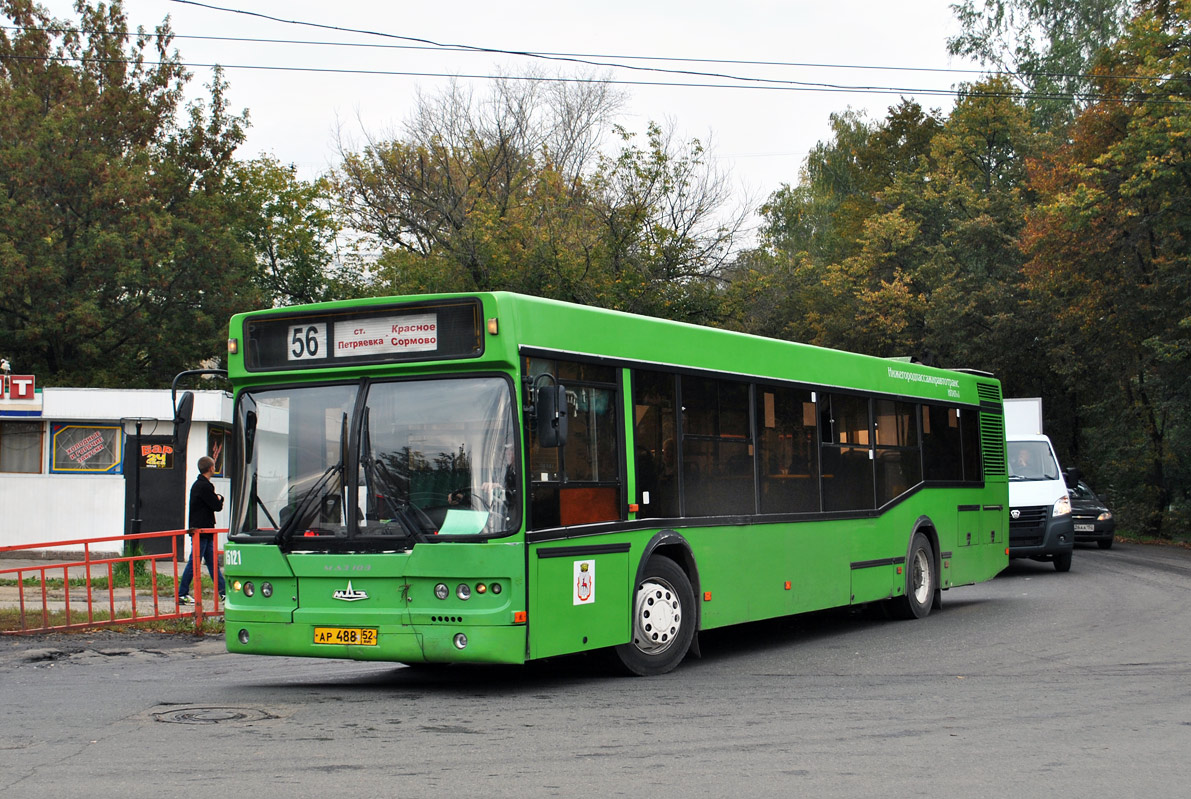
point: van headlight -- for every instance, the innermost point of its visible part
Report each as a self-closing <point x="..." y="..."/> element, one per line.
<point x="1062" y="507"/>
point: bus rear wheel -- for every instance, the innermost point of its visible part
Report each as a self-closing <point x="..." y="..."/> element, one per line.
<point x="663" y="620"/>
<point x="921" y="582"/>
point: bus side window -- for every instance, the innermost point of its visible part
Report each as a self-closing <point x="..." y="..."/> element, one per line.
<point x="898" y="459"/>
<point x="848" y="478"/>
<point x="578" y="482"/>
<point x="941" y="447"/>
<point x="655" y="434"/>
<point x="717" y="448"/>
<point x="789" y="455"/>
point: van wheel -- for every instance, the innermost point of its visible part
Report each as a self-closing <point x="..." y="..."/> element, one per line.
<point x="662" y="622"/>
<point x="921" y="581"/>
<point x="1063" y="562"/>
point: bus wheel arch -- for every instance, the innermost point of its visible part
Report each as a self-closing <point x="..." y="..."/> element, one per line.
<point x="925" y="526"/>
<point x="922" y="590"/>
<point x="664" y="612"/>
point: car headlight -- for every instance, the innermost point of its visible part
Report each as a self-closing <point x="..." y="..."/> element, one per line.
<point x="1105" y="517"/>
<point x="1062" y="507"/>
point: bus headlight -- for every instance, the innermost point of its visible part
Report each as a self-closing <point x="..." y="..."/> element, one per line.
<point x="441" y="591"/>
<point x="463" y="592"/>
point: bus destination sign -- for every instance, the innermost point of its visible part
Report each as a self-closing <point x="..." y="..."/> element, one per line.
<point x="385" y="335"/>
<point x="382" y="336"/>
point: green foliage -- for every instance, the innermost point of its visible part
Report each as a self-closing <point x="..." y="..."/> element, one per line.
<point x="1049" y="46"/>
<point x="902" y="237"/>
<point x="290" y="226"/>
<point x="1110" y="241"/>
<point x="985" y="241"/>
<point x="120" y="267"/>
<point x="469" y="202"/>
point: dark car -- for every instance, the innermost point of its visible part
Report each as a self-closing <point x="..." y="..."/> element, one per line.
<point x="1094" y="522"/>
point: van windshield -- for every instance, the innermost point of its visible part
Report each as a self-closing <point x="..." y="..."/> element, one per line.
<point x="1032" y="460"/>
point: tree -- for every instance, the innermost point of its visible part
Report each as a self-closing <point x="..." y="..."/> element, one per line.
<point x="666" y="229"/>
<point x="289" y="224"/>
<point x="1110" y="249"/>
<point x="822" y="214"/>
<point x="838" y="249"/>
<point x="115" y="245"/>
<point x="463" y="158"/>
<point x="971" y="207"/>
<point x="1047" y="46"/>
<point x="511" y="193"/>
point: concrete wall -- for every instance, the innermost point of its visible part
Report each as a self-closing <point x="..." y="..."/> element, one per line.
<point x="56" y="507"/>
<point x="41" y="508"/>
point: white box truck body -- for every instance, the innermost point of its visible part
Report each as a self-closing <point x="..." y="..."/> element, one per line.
<point x="1040" y="524"/>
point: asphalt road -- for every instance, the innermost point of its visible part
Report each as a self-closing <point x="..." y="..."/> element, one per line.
<point x="1035" y="684"/>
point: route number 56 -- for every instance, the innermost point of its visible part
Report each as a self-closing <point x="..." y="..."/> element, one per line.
<point x="307" y="341"/>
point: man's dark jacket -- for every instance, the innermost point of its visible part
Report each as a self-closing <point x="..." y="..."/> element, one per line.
<point x="204" y="502"/>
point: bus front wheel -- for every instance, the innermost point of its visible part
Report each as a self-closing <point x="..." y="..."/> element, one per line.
<point x="663" y="620"/>
<point x="921" y="582"/>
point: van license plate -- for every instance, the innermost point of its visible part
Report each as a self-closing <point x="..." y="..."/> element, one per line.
<point x="1085" y="528"/>
<point x="359" y="636"/>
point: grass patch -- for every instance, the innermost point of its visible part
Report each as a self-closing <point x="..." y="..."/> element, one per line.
<point x="144" y="582"/>
<point x="1136" y="538"/>
<point x="10" y="621"/>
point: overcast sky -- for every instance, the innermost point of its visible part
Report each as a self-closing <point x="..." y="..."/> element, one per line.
<point x="760" y="135"/>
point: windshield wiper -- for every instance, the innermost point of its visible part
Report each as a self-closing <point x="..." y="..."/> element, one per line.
<point x="315" y="492"/>
<point x="299" y="516"/>
<point x="256" y="499"/>
<point x="409" y="517"/>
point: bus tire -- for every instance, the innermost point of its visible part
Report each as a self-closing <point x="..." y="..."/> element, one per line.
<point x="921" y="581"/>
<point x="662" y="621"/>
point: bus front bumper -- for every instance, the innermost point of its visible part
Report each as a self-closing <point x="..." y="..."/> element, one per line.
<point x="448" y="643"/>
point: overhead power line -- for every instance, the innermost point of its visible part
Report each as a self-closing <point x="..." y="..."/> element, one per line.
<point x="587" y="59"/>
<point x="743" y="82"/>
<point x="761" y="84"/>
<point x="621" y="56"/>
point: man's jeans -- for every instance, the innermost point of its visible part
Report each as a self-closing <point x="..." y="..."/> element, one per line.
<point x="207" y="554"/>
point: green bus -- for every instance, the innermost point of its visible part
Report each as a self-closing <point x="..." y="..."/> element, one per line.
<point x="496" y="478"/>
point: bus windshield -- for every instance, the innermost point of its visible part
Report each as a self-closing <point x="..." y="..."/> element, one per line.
<point x="377" y="464"/>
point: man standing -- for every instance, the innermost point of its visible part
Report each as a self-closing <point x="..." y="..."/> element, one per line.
<point x="204" y="503"/>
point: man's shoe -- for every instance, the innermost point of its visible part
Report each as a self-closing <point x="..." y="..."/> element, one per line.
<point x="186" y="599"/>
<point x="222" y="599"/>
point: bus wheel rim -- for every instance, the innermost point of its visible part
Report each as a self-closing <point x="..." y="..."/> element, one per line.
<point x="921" y="577"/>
<point x="657" y="616"/>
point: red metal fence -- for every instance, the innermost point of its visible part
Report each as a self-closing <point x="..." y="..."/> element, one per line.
<point x="84" y="600"/>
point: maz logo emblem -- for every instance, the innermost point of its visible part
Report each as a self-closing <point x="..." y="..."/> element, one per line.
<point x="1016" y="514"/>
<point x="350" y="594"/>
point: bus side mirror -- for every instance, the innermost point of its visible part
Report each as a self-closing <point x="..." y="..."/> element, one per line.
<point x="249" y="435"/>
<point x="550" y="403"/>
<point x="182" y="417"/>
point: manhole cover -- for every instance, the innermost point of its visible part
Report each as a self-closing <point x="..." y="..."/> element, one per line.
<point x="211" y="715"/>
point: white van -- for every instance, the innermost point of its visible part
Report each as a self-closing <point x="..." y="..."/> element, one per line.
<point x="1040" y="525"/>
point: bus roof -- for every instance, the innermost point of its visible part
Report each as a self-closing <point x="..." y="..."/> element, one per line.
<point x="536" y="325"/>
